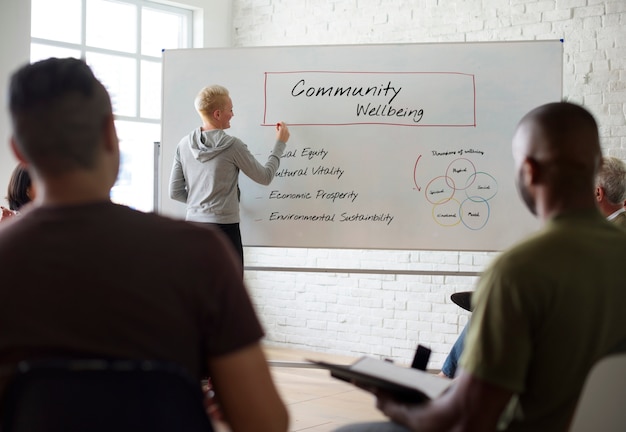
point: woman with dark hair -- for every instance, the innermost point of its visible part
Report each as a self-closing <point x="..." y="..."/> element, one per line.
<point x="20" y="192"/>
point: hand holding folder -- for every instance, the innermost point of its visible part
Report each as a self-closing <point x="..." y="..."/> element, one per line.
<point x="406" y="384"/>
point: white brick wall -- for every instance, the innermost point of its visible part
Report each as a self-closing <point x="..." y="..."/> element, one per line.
<point x="387" y="315"/>
<point x="376" y="314"/>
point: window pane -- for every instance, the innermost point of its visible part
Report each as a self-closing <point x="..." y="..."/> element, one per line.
<point x="106" y="34"/>
<point x="135" y="181"/>
<point x="119" y="76"/>
<point x="58" y="20"/>
<point x="150" y="90"/>
<point x="162" y="30"/>
<point x="112" y="25"/>
<point x="42" y="52"/>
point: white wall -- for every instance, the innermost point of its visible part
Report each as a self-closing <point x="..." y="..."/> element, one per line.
<point x="387" y="315"/>
<point x="212" y="21"/>
<point x="14" y="51"/>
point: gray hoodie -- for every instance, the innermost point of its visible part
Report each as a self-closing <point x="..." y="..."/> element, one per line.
<point x="206" y="171"/>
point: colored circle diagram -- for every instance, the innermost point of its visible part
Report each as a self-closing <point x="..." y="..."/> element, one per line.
<point x="461" y="195"/>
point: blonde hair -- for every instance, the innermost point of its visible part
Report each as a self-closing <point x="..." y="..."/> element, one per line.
<point x="210" y="98"/>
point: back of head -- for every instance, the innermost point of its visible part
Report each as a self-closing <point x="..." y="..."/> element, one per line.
<point x="59" y="110"/>
<point x="19" y="185"/>
<point x="562" y="138"/>
<point x="210" y="99"/>
<point x="612" y="178"/>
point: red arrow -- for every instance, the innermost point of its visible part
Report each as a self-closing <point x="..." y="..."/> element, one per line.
<point x="415" y="172"/>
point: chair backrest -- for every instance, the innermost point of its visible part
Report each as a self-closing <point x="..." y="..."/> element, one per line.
<point x="103" y="395"/>
<point x="601" y="406"/>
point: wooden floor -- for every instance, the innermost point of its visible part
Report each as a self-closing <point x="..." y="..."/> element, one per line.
<point x="316" y="401"/>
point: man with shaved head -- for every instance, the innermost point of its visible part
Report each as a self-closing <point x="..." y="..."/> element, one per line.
<point x="561" y="288"/>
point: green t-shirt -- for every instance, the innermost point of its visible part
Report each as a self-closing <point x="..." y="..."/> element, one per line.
<point x="620" y="220"/>
<point x="545" y="312"/>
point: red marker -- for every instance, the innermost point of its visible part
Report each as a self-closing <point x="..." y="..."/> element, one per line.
<point x="277" y="126"/>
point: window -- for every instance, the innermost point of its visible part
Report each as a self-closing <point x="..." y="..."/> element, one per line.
<point x="122" y="41"/>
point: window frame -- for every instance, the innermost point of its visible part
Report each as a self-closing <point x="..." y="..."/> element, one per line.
<point x="137" y="56"/>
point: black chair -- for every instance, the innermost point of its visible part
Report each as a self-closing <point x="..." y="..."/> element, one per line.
<point x="462" y="299"/>
<point x="103" y="395"/>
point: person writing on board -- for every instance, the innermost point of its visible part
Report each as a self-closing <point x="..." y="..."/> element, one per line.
<point x="561" y="287"/>
<point x="112" y="282"/>
<point x="207" y="162"/>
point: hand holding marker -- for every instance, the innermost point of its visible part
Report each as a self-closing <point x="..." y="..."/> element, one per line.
<point x="282" y="132"/>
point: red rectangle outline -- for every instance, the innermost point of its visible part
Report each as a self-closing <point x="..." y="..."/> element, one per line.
<point x="367" y="123"/>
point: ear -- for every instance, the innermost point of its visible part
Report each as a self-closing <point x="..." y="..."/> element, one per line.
<point x="111" y="141"/>
<point x="17" y="153"/>
<point x="600" y="194"/>
<point x="531" y="171"/>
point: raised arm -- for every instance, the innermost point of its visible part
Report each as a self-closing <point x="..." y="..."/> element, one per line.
<point x="246" y="393"/>
<point x="263" y="174"/>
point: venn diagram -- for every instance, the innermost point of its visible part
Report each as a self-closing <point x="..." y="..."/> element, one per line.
<point x="461" y="195"/>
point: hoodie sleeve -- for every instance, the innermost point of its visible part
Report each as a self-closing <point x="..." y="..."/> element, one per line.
<point x="247" y="163"/>
<point x="178" y="185"/>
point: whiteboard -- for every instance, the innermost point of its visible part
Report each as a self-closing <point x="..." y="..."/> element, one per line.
<point x="393" y="146"/>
